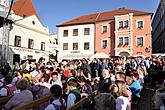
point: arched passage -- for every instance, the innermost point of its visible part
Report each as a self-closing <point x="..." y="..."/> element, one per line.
<point x="122" y="54"/>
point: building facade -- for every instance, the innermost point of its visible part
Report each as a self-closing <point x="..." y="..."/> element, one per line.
<point x="158" y="29"/>
<point x="120" y="32"/>
<point x="29" y="39"/>
<point x="76" y="41"/>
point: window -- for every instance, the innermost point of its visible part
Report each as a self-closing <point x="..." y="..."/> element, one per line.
<point x="104" y="43"/>
<point x="65" y="34"/>
<point x="75" y="46"/>
<point x="105" y="29"/>
<point x="140" y="24"/>
<point x="120" y="40"/>
<point x="65" y="46"/>
<point x="126" y="40"/>
<point x="126" y="23"/>
<point x="86" y="31"/>
<point x="17" y="42"/>
<point x="75" y="32"/>
<point x="30" y="43"/>
<point x="42" y="45"/>
<point x="120" y="24"/>
<point x="86" y="46"/>
<point x="140" y="41"/>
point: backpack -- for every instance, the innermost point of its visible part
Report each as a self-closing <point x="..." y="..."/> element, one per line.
<point x="9" y="90"/>
<point x="59" y="107"/>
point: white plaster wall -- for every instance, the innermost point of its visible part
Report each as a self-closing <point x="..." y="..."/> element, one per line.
<point x="22" y="28"/>
<point x="80" y="39"/>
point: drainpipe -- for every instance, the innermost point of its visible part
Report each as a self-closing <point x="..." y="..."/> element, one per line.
<point x="98" y="14"/>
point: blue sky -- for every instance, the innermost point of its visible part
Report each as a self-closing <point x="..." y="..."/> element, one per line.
<point x="53" y="12"/>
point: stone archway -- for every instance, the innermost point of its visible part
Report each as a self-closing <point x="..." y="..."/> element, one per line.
<point x="122" y="54"/>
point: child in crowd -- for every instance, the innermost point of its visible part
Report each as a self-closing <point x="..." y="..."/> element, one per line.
<point x="74" y="94"/>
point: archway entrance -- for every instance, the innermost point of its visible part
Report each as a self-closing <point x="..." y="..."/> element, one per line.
<point x="122" y="54"/>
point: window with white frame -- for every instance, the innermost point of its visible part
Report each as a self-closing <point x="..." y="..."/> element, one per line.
<point x="75" y="46"/>
<point x="65" y="46"/>
<point x="140" y="24"/>
<point x="86" y="45"/>
<point x="104" y="29"/>
<point x="86" y="31"/>
<point x="123" y="41"/>
<point x="120" y="41"/>
<point x="126" y="24"/>
<point x="140" y="41"/>
<point x="75" y="32"/>
<point x="17" y="41"/>
<point x="120" y="24"/>
<point x="30" y="43"/>
<point x="126" y="40"/>
<point x="104" y="43"/>
<point x="123" y="24"/>
<point x="43" y="46"/>
<point x="65" y="33"/>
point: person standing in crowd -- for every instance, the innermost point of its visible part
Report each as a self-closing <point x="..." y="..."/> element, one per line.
<point x="57" y="103"/>
<point x="105" y="82"/>
<point x="85" y="68"/>
<point x="74" y="94"/>
<point x="94" y="68"/>
<point x="54" y="79"/>
<point x="23" y="97"/>
<point x="86" y="91"/>
<point x="135" y="86"/>
<point x="7" y="89"/>
<point x="122" y="101"/>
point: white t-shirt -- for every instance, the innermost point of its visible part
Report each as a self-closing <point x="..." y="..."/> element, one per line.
<point x="122" y="103"/>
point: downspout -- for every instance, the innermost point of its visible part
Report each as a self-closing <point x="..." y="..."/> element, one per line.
<point x="98" y="14"/>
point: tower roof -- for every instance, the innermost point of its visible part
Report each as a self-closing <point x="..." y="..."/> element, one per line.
<point x="24" y="8"/>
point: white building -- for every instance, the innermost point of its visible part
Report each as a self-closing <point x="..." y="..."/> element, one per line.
<point x="28" y="39"/>
<point x="76" y="41"/>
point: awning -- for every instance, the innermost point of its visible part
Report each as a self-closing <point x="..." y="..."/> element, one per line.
<point x="76" y="56"/>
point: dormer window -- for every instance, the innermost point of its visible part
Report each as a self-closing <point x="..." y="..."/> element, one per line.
<point x="33" y="22"/>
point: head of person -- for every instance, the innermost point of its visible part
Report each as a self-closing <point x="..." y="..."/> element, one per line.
<point x="54" y="76"/>
<point x="72" y="73"/>
<point x="22" y="84"/>
<point x="135" y="75"/>
<point x="8" y="80"/>
<point x="81" y="81"/>
<point x="56" y="90"/>
<point x="128" y="80"/>
<point x="84" y="61"/>
<point x="120" y="76"/>
<point x="105" y="73"/>
<point x="72" y="84"/>
<point x="122" y="88"/>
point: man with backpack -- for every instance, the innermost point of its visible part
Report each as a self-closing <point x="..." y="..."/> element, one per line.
<point x="74" y="94"/>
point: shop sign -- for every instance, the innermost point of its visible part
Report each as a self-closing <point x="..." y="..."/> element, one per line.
<point x="23" y="49"/>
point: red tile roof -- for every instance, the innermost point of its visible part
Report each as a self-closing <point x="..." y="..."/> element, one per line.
<point x="101" y="16"/>
<point x="24" y="8"/>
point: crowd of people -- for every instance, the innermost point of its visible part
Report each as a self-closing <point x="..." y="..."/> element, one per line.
<point x="111" y="84"/>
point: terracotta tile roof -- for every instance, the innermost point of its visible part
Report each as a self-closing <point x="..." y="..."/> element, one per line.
<point x="101" y="16"/>
<point x="24" y="8"/>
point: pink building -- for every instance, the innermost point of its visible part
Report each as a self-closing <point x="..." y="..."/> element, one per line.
<point x="120" y="32"/>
